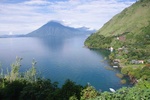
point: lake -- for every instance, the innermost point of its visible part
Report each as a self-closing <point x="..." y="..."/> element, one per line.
<point x="61" y="58"/>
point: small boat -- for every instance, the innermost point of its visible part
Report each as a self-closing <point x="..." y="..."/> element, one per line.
<point x="112" y="90"/>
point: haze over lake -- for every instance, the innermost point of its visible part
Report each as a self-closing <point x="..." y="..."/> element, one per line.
<point x="60" y="59"/>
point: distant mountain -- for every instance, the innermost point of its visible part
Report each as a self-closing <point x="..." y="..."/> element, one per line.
<point x="11" y="36"/>
<point x="54" y="28"/>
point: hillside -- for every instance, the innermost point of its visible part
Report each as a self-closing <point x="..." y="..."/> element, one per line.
<point x="131" y="20"/>
<point x="54" y="28"/>
<point x="129" y="28"/>
<point x="128" y="33"/>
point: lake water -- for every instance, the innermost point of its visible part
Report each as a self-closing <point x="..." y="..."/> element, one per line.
<point x="60" y="59"/>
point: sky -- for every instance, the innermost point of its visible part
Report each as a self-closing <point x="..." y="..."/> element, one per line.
<point x="25" y="16"/>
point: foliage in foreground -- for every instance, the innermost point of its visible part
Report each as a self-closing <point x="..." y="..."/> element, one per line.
<point x="28" y="86"/>
<point x="139" y="92"/>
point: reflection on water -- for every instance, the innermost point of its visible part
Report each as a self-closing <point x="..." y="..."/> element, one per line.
<point x="60" y="59"/>
<point x="54" y="43"/>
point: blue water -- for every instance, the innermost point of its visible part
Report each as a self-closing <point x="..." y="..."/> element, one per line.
<point x="60" y="59"/>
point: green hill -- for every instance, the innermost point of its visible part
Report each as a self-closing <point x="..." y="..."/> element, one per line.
<point x="131" y="19"/>
<point x="128" y="33"/>
<point x="130" y="29"/>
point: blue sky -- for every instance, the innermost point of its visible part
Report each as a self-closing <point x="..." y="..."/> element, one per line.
<point x="24" y="16"/>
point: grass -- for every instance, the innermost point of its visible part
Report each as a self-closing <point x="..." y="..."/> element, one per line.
<point x="131" y="19"/>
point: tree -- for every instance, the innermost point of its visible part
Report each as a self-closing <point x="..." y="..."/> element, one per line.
<point x="12" y="90"/>
<point x="14" y="74"/>
<point x="70" y="89"/>
<point x="89" y="92"/>
<point x="31" y="74"/>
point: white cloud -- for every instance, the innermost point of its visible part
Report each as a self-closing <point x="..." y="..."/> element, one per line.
<point x="27" y="16"/>
<point x="37" y="2"/>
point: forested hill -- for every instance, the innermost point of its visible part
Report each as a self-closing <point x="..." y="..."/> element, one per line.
<point x="133" y="20"/>
<point x="130" y="29"/>
<point x="128" y="33"/>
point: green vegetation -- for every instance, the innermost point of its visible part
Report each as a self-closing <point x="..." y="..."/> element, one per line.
<point x="131" y="19"/>
<point x="88" y="93"/>
<point x="98" y="41"/>
<point x="131" y="27"/>
<point x="137" y="73"/>
<point x="137" y="92"/>
<point x="128" y="45"/>
<point x="129" y="34"/>
<point x="27" y="86"/>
